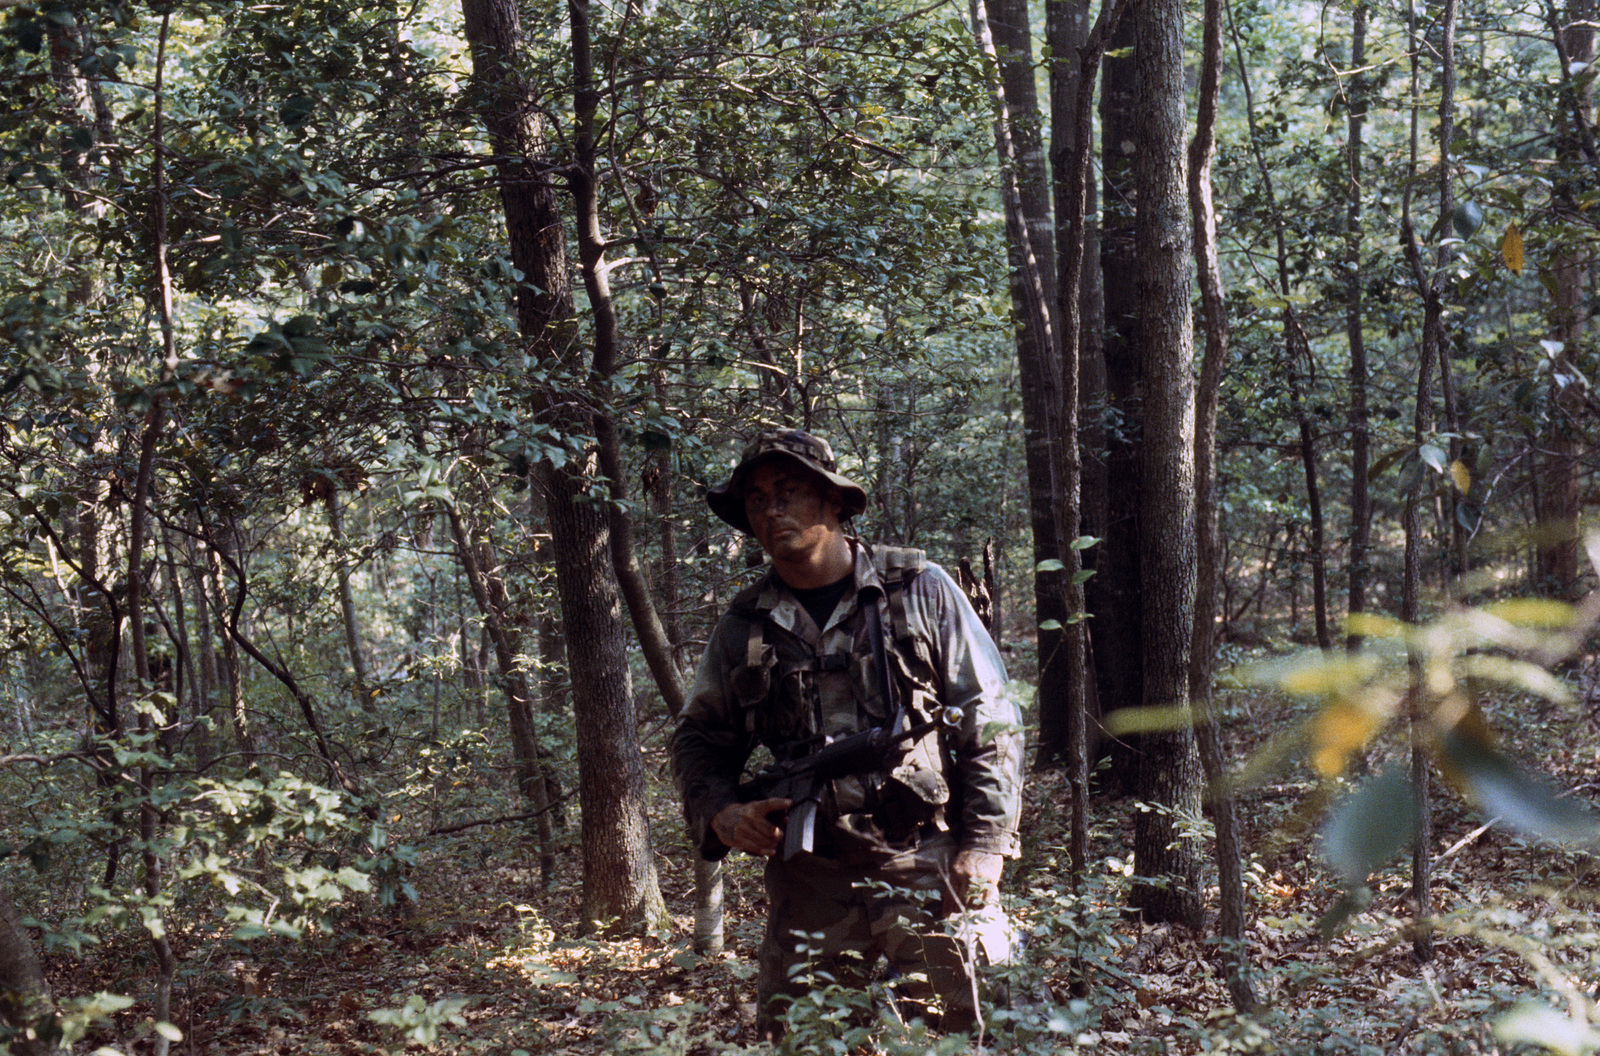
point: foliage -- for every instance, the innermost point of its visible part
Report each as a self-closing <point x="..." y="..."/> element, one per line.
<point x="800" y="222"/>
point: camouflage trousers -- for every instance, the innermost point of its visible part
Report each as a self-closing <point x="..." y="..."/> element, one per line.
<point x="841" y="919"/>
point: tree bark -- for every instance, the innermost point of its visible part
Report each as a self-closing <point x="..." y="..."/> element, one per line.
<point x="1003" y="33"/>
<point x="652" y="635"/>
<point x="1115" y="593"/>
<point x="488" y="590"/>
<point x="1170" y="763"/>
<point x="620" y="889"/>
<point x="1234" y="922"/>
<point x="1430" y="281"/>
<point x="1354" y="327"/>
<point x="1559" y="492"/>
<point x="24" y="991"/>
<point x="1076" y="58"/>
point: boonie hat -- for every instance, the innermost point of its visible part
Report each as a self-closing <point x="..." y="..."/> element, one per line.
<point x="796" y="445"/>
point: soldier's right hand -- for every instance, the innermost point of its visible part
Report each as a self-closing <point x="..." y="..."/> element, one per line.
<point x="746" y="827"/>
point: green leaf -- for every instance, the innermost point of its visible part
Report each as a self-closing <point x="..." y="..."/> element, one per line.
<point x="1050" y="565"/>
<point x="297" y="110"/>
<point x="1369" y="826"/>
<point x="1523" y="802"/>
<point x="1467" y="218"/>
<point x="1436" y="457"/>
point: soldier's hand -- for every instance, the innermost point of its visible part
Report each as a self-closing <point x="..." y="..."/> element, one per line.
<point x="974" y="881"/>
<point x="745" y="826"/>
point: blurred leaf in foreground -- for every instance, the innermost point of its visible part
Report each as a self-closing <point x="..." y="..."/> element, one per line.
<point x="1369" y="826"/>
<point x="1533" y="1023"/>
<point x="1500" y="789"/>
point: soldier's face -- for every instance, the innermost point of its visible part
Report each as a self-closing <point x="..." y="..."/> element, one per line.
<point x="790" y="513"/>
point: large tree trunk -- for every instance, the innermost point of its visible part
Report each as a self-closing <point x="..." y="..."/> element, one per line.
<point x="1562" y="450"/>
<point x="1170" y="764"/>
<point x="619" y="878"/>
<point x="1111" y="504"/>
<point x="1003" y="32"/>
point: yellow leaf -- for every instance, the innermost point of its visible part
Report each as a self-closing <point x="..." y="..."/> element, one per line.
<point x="1532" y="612"/>
<point x="1511" y="249"/>
<point x="1147" y="720"/>
<point x="1341" y="728"/>
<point x="1518" y="674"/>
<point x="1459" y="474"/>
<point x="1375" y="625"/>
<point x="1329" y="674"/>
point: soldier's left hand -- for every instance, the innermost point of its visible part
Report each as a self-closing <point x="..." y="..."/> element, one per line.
<point x="974" y="880"/>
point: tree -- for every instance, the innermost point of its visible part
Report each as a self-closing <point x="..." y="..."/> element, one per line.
<point x="1071" y="100"/>
<point x="1170" y="765"/>
<point x="1005" y="34"/>
<point x="619" y="875"/>
<point x="25" y="1002"/>
<point x="1202" y="207"/>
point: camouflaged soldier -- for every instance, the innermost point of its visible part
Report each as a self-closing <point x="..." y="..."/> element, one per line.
<point x="907" y="857"/>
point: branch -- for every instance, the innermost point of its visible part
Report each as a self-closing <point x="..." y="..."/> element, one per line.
<point x="445" y="830"/>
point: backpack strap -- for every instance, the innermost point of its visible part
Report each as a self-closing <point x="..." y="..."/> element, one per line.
<point x="897" y="566"/>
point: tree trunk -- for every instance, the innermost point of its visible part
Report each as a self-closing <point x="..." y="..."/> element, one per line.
<point x="488" y="590"/>
<point x="1354" y="328"/>
<point x="347" y="603"/>
<point x="1234" y="921"/>
<point x="1115" y="593"/>
<point x="652" y="635"/>
<point x="24" y="992"/>
<point x="1003" y="33"/>
<point x="619" y="880"/>
<point x="1430" y="281"/>
<point x="1559" y="493"/>
<point x="1170" y="763"/>
<point x="1076" y="59"/>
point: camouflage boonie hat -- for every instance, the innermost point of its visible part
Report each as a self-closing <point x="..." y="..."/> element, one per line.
<point x="811" y="452"/>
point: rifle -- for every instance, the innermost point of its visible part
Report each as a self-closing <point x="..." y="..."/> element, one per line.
<point x="802" y="777"/>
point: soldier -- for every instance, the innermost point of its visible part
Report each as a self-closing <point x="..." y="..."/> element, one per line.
<point x="906" y="857"/>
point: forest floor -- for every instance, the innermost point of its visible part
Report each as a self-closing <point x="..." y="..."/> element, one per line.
<point x="491" y="963"/>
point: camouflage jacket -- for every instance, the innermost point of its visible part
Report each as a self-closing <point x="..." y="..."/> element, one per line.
<point x="770" y="676"/>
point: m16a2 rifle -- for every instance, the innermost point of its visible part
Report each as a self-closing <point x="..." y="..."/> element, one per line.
<point x="801" y="778"/>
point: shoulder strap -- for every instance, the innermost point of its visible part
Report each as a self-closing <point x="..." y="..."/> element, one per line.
<point x="897" y="566"/>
